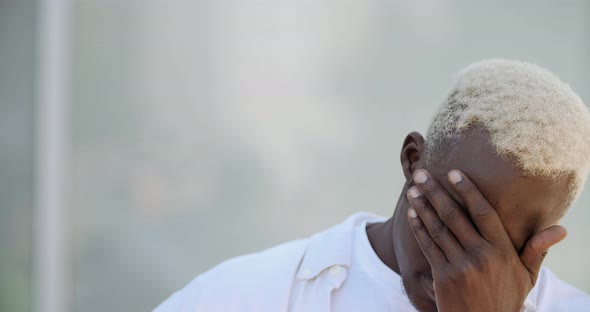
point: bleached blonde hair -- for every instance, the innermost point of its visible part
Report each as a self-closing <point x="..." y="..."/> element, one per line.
<point x="531" y="116"/>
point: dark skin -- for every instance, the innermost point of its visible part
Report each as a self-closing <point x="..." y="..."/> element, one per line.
<point x="452" y="252"/>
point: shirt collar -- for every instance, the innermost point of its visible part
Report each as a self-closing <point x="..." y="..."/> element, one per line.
<point x="332" y="246"/>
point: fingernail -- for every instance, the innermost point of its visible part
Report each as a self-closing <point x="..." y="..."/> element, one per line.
<point x="454" y="176"/>
<point x="414" y="192"/>
<point x="420" y="177"/>
<point x="412" y="213"/>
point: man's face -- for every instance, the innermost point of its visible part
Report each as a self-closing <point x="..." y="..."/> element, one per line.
<point x="525" y="205"/>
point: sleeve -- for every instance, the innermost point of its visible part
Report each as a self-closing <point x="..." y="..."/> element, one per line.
<point x="183" y="299"/>
<point x="253" y="282"/>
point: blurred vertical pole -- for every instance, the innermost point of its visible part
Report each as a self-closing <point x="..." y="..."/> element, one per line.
<point x="52" y="137"/>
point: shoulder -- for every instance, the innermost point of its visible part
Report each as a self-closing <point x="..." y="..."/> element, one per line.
<point x="252" y="268"/>
<point x="552" y="294"/>
<point x="263" y="281"/>
<point x="240" y="281"/>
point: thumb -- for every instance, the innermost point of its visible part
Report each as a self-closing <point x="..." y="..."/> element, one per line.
<point x="537" y="246"/>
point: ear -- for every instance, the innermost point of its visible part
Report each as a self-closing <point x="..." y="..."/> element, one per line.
<point x="412" y="153"/>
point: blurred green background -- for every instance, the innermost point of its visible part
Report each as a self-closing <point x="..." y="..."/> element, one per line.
<point x="201" y="130"/>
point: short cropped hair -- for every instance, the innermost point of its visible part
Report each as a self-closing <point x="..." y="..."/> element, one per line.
<point x="531" y="116"/>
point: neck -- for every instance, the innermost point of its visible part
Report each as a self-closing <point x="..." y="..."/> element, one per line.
<point x="381" y="238"/>
<point x="381" y="235"/>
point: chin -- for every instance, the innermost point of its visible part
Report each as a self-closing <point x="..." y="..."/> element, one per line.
<point x="419" y="290"/>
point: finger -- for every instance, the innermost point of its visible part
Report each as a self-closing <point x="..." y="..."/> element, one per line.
<point x="448" y="210"/>
<point x="482" y="213"/>
<point x="432" y="252"/>
<point x="536" y="248"/>
<point x="437" y="230"/>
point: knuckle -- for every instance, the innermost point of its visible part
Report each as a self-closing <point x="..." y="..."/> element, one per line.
<point x="503" y="254"/>
<point x="449" y="214"/>
<point x="418" y="227"/>
<point x="427" y="245"/>
<point x="480" y="263"/>
<point x="437" y="229"/>
<point x="482" y="211"/>
<point x="481" y="259"/>
<point x="445" y="276"/>
<point x="467" y="269"/>
<point x="461" y="274"/>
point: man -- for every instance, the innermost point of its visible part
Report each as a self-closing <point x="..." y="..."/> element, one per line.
<point x="505" y="156"/>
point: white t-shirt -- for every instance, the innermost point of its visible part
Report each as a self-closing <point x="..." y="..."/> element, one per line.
<point x="371" y="285"/>
<point x="335" y="270"/>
